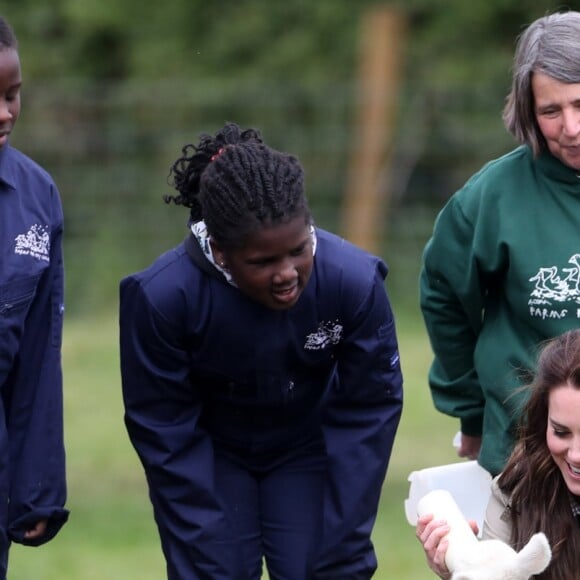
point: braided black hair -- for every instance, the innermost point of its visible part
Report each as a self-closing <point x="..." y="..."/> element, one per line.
<point x="7" y="36"/>
<point x="237" y="184"/>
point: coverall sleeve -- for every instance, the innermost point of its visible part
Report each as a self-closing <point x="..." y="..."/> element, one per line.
<point x="35" y="411"/>
<point x="362" y="417"/>
<point x="162" y="412"/>
<point x="452" y="302"/>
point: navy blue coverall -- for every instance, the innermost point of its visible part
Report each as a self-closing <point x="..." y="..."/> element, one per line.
<point x="255" y="426"/>
<point x="32" y="458"/>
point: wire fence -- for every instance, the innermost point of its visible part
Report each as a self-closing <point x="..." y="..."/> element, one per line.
<point x="109" y="149"/>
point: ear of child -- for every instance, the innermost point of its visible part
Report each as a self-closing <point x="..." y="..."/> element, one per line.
<point x="468" y="558"/>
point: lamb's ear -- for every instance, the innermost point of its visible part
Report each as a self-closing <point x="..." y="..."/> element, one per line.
<point x="535" y="556"/>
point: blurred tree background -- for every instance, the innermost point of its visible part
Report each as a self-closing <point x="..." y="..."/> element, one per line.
<point x="112" y="90"/>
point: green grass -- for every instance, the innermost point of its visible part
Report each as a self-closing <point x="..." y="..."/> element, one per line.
<point x="111" y="533"/>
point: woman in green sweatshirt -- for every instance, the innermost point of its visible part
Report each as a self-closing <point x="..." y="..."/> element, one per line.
<point x="501" y="272"/>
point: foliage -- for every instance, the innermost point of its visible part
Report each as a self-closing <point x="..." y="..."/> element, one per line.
<point x="259" y="39"/>
<point x="112" y="90"/>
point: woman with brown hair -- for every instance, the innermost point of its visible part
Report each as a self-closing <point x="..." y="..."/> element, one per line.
<point x="539" y="489"/>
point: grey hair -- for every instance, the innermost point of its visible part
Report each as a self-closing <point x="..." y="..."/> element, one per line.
<point x="550" y="45"/>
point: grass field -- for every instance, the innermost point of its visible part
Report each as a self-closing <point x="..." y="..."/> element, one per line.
<point x="111" y="533"/>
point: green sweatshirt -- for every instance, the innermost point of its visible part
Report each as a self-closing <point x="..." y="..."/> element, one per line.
<point x="500" y="275"/>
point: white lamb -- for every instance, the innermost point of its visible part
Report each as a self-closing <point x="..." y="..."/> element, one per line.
<point x="468" y="558"/>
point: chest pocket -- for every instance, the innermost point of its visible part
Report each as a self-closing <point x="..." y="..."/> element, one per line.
<point x="15" y="300"/>
<point x="16" y="297"/>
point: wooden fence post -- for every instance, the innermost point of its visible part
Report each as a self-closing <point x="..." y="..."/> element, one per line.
<point x="365" y="207"/>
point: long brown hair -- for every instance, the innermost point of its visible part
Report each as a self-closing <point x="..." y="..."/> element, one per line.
<point x="539" y="497"/>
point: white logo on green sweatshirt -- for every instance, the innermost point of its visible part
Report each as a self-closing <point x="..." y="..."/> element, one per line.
<point x="555" y="292"/>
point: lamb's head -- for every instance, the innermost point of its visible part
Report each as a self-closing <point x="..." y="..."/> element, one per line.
<point x="495" y="560"/>
<point x="470" y="559"/>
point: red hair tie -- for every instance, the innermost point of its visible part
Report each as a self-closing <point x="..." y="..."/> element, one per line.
<point x="216" y="155"/>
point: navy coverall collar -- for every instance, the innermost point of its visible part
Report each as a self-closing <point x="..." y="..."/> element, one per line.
<point x="6" y="176"/>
